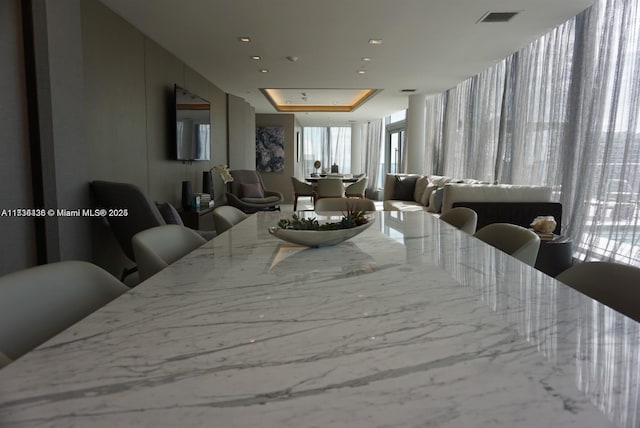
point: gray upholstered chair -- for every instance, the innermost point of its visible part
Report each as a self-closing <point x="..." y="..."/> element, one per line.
<point x="226" y="216"/>
<point x="345" y="204"/>
<point x="613" y="284"/>
<point x="158" y="247"/>
<point x="40" y="302"/>
<point x="248" y="194"/>
<point x="142" y="213"/>
<point x="514" y="240"/>
<point x="462" y="218"/>
<point x="330" y="188"/>
<point x="356" y="190"/>
<point x="300" y="188"/>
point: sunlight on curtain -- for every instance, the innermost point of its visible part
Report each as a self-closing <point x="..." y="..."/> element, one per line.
<point x="433" y="133"/>
<point x="329" y="145"/>
<point x="606" y="213"/>
<point x="372" y="133"/>
<point x="472" y="125"/>
<point x="562" y="112"/>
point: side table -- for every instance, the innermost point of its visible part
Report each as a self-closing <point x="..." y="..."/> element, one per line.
<point x="201" y="219"/>
<point x="555" y="255"/>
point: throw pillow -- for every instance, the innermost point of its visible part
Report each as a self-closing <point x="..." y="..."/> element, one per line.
<point x="435" y="200"/>
<point x="426" y="195"/>
<point x="169" y="214"/>
<point x="404" y="187"/>
<point x="421" y="184"/>
<point x="252" y="190"/>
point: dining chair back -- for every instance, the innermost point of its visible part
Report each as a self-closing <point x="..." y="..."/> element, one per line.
<point x="345" y="204"/>
<point x="613" y="284"/>
<point x="300" y="188"/>
<point x="356" y="190"/>
<point x="462" y="218"/>
<point x="226" y="216"/>
<point x="40" y="302"/>
<point x="329" y="188"/>
<point x="514" y="240"/>
<point x="157" y="248"/>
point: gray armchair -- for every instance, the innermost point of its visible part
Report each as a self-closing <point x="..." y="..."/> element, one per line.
<point x="248" y="194"/>
<point x="142" y="213"/>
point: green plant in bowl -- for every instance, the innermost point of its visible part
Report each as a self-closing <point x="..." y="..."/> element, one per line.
<point x="349" y="219"/>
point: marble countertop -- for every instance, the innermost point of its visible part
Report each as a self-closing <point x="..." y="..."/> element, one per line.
<point x="410" y="324"/>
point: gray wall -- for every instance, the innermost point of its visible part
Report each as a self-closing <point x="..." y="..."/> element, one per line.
<point x="280" y="181"/>
<point x="129" y="88"/>
<point x="104" y="102"/>
<point x="242" y="134"/>
<point x="18" y="234"/>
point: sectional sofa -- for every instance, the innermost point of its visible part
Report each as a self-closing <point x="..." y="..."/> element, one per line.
<point x="494" y="203"/>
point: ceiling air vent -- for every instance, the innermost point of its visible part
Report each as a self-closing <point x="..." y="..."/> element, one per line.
<point x="497" y="16"/>
<point x="407" y="90"/>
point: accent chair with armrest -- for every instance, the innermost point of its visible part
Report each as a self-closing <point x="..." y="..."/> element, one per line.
<point x="142" y="214"/>
<point x="248" y="194"/>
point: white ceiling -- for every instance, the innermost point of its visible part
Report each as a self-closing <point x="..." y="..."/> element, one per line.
<point x="428" y="45"/>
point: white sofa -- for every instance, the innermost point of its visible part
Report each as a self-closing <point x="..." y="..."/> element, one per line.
<point x="517" y="204"/>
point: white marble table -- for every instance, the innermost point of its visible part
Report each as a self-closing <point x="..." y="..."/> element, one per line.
<point x="410" y="324"/>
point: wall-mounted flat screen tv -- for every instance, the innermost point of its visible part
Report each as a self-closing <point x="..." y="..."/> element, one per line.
<point x="193" y="126"/>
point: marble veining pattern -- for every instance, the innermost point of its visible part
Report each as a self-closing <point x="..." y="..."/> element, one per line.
<point x="410" y="324"/>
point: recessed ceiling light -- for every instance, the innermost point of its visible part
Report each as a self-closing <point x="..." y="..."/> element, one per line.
<point x="362" y="71"/>
<point x="245" y="39"/>
<point x="375" y="41"/>
<point x="263" y="70"/>
<point x="256" y="57"/>
<point x="367" y="58"/>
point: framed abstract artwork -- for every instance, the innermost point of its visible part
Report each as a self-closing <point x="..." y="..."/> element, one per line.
<point x="270" y="149"/>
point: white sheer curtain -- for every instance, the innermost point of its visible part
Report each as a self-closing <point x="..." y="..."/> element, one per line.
<point x="472" y="126"/>
<point x="340" y="148"/>
<point x="329" y="145"/>
<point x="433" y="133"/>
<point x="535" y="109"/>
<point x="604" y="181"/>
<point x="562" y="112"/>
<point x="372" y="133"/>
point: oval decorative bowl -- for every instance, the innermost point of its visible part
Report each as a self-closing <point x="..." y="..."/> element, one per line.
<point x="318" y="238"/>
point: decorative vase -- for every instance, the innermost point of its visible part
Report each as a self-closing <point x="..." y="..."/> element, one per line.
<point x="544" y="224"/>
<point x="207" y="183"/>
<point x="187" y="195"/>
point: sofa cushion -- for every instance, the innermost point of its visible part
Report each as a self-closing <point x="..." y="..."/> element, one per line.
<point x="397" y="205"/>
<point x="439" y="180"/>
<point x="404" y="188"/>
<point x="435" y="201"/>
<point x="421" y="184"/>
<point x="426" y="195"/>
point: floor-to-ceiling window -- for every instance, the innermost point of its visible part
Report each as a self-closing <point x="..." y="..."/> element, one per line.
<point x="331" y="145"/>
<point x="393" y="146"/>
<point x="562" y="112"/>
